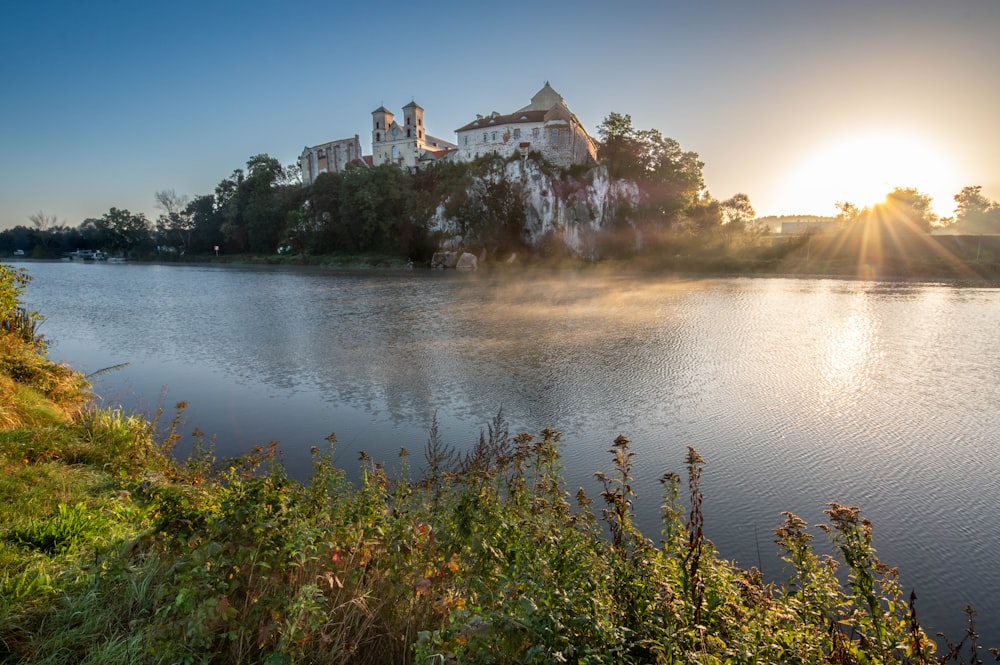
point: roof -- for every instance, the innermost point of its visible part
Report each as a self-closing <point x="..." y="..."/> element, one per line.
<point x="544" y="99"/>
<point x="381" y="109"/>
<point x="413" y="105"/>
<point x="546" y="105"/>
<point x="435" y="155"/>
<point x="511" y="118"/>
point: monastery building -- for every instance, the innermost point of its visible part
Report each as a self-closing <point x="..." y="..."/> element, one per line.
<point x="546" y="126"/>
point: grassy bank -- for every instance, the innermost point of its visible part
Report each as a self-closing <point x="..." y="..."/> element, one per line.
<point x="113" y="551"/>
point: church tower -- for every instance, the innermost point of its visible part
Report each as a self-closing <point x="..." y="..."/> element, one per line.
<point x="382" y="119"/>
<point x="413" y="121"/>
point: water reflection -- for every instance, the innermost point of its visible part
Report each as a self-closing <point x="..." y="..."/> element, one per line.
<point x="796" y="392"/>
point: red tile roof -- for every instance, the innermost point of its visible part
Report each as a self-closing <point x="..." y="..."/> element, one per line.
<point x="509" y="119"/>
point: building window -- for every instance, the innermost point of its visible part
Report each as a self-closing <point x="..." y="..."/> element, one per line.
<point x="420" y="134"/>
<point x="466" y="139"/>
<point x="407" y="133"/>
<point x="494" y="137"/>
<point x="485" y="137"/>
<point x="378" y="137"/>
<point x="555" y="133"/>
<point x="534" y="133"/>
<point x="517" y="132"/>
<point x="377" y="125"/>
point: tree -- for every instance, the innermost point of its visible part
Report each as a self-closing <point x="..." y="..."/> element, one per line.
<point x="618" y="148"/>
<point x="41" y="221"/>
<point x="175" y="224"/>
<point x="45" y="226"/>
<point x="207" y="219"/>
<point x="975" y="213"/>
<point x="847" y="212"/>
<point x="670" y="178"/>
<point x="907" y="209"/>
<point x="738" y="212"/>
<point x="121" y="231"/>
<point x="256" y="205"/>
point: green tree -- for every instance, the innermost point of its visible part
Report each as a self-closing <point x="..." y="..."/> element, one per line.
<point x="324" y="209"/>
<point x="207" y="219"/>
<point x="256" y="204"/>
<point x="121" y="231"/>
<point x="380" y="211"/>
<point x="491" y="209"/>
<point x="618" y="149"/>
<point x="670" y="178"/>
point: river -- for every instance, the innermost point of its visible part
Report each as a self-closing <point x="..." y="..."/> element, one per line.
<point x="796" y="392"/>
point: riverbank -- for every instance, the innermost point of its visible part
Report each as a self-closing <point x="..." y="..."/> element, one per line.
<point x="114" y="551"/>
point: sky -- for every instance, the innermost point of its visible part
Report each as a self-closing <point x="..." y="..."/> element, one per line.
<point x="799" y="104"/>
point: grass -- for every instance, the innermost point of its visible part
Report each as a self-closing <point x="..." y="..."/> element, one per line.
<point x="112" y="550"/>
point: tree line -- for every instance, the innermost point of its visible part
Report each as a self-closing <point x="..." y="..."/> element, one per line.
<point x="263" y="208"/>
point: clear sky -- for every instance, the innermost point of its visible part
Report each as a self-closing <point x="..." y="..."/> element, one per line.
<point x="796" y="103"/>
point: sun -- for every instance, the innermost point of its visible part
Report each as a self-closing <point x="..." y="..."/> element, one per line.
<point x="862" y="168"/>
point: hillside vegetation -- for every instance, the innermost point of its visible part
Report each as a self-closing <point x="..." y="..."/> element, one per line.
<point x="112" y="551"/>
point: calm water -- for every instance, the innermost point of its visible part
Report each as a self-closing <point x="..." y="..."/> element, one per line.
<point x="796" y="391"/>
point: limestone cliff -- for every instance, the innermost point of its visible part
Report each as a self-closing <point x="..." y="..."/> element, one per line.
<point x="558" y="207"/>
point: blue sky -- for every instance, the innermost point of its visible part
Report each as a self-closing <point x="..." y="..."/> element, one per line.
<point x="105" y="103"/>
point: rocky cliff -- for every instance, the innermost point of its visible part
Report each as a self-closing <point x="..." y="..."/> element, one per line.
<point x="558" y="207"/>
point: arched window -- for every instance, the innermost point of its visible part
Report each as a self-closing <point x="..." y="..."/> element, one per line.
<point x="378" y="137"/>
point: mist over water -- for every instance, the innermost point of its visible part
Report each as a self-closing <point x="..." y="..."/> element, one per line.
<point x="795" y="391"/>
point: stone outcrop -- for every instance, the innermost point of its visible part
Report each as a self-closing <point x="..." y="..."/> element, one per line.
<point x="442" y="260"/>
<point x="467" y="261"/>
<point x="563" y="208"/>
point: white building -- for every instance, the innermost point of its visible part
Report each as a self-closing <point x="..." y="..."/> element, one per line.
<point x="406" y="145"/>
<point x="546" y="125"/>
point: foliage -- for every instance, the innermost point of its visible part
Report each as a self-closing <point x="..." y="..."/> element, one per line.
<point x="670" y="178"/>
<point x="121" y="231"/>
<point x="254" y="203"/>
<point x="975" y="213"/>
<point x="15" y="319"/>
<point x="112" y="551"/>
<point x="491" y="209"/>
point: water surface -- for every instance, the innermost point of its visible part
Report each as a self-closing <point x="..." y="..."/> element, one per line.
<point x="796" y="391"/>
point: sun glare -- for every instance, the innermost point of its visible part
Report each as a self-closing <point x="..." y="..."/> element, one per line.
<point x="863" y="168"/>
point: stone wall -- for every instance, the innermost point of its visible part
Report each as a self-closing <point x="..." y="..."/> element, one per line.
<point x="331" y="157"/>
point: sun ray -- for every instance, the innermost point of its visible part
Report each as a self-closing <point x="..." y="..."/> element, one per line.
<point x="863" y="167"/>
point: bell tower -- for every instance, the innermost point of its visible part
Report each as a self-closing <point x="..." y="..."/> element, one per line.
<point x="381" y="121"/>
<point x="413" y="121"/>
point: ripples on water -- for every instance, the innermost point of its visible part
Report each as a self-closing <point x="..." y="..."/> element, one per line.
<point x="796" y="392"/>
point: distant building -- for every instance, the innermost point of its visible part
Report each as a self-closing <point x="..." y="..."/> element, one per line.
<point x="407" y="145"/>
<point x="799" y="228"/>
<point x="332" y="157"/>
<point x="546" y="125"/>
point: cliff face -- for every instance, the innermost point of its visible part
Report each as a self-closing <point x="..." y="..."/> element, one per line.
<point x="558" y="208"/>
